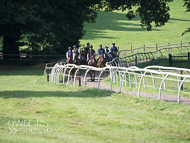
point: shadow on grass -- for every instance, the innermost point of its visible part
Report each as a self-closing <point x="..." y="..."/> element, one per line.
<point x="112" y="21"/>
<point x="165" y="62"/>
<point x="88" y="93"/>
<point x="179" y="19"/>
<point x="22" y="72"/>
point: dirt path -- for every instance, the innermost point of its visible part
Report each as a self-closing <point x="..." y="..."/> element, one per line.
<point x="165" y="97"/>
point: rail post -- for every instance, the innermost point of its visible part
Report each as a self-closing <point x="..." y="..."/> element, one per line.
<point x="181" y="80"/>
<point x="170" y="59"/>
<point x="47" y="71"/>
<point x="181" y="44"/>
<point x="131" y="50"/>
<point x="135" y="60"/>
<point x="79" y="81"/>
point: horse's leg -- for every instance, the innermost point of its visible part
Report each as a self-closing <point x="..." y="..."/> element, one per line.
<point x="91" y="76"/>
<point x="94" y="75"/>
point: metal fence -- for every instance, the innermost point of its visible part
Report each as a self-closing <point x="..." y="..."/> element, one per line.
<point x="122" y="75"/>
<point x="135" y="59"/>
<point x="122" y="71"/>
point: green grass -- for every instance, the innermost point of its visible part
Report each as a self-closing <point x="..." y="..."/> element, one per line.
<point x="78" y="114"/>
<point x="115" y="27"/>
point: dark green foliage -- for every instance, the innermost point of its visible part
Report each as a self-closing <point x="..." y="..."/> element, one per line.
<point x="149" y="11"/>
<point x="50" y="27"/>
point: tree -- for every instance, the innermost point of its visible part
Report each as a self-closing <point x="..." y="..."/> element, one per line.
<point x="51" y="26"/>
<point x="19" y="17"/>
<point x="149" y="11"/>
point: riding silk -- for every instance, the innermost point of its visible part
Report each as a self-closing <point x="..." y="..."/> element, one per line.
<point x="108" y="50"/>
<point x="114" y="49"/>
<point x="69" y="54"/>
<point x="91" y="52"/>
<point x="76" y="50"/>
<point x="101" y="52"/>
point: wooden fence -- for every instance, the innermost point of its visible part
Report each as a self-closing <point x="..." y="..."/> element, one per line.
<point x="179" y="58"/>
<point x="31" y="58"/>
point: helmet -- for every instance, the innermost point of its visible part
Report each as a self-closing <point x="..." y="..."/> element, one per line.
<point x="107" y="45"/>
<point x="75" y="46"/>
<point x="69" y="48"/>
<point x="88" y="43"/>
<point x="91" y="46"/>
<point x="113" y="43"/>
<point x="100" y="45"/>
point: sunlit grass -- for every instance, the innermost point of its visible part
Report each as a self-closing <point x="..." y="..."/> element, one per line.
<point x="77" y="114"/>
<point x="115" y="27"/>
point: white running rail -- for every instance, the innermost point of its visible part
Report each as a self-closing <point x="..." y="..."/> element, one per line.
<point x="161" y="73"/>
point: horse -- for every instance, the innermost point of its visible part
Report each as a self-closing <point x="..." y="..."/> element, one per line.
<point x="92" y="62"/>
<point x="108" y="58"/>
<point x="76" y="59"/>
<point x="112" y="54"/>
<point x="101" y="62"/>
<point x="70" y="61"/>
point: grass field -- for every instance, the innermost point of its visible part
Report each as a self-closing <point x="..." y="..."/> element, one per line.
<point x="114" y="27"/>
<point x="33" y="110"/>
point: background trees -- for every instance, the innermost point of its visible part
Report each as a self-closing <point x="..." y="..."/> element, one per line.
<point x="51" y="26"/>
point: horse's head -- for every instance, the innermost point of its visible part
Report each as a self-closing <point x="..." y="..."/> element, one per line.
<point x="92" y="61"/>
<point x="101" y="62"/>
<point x="70" y="60"/>
<point x="112" y="54"/>
<point x="75" y="54"/>
<point x="101" y="58"/>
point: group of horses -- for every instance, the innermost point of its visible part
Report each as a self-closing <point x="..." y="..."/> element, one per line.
<point x="92" y="62"/>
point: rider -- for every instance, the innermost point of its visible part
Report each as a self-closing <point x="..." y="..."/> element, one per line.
<point x="69" y="53"/>
<point x="114" y="49"/>
<point x="76" y="49"/>
<point x="86" y="50"/>
<point x="90" y="53"/>
<point x="108" y="51"/>
<point x="101" y="52"/>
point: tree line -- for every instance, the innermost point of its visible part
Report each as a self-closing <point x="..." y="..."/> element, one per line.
<point x="50" y="26"/>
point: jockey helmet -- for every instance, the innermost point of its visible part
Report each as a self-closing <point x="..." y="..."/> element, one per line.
<point x="69" y="48"/>
<point x="107" y="46"/>
<point x="88" y="43"/>
<point x="100" y="45"/>
<point x="91" y="46"/>
<point x="113" y="43"/>
<point x="75" y="46"/>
